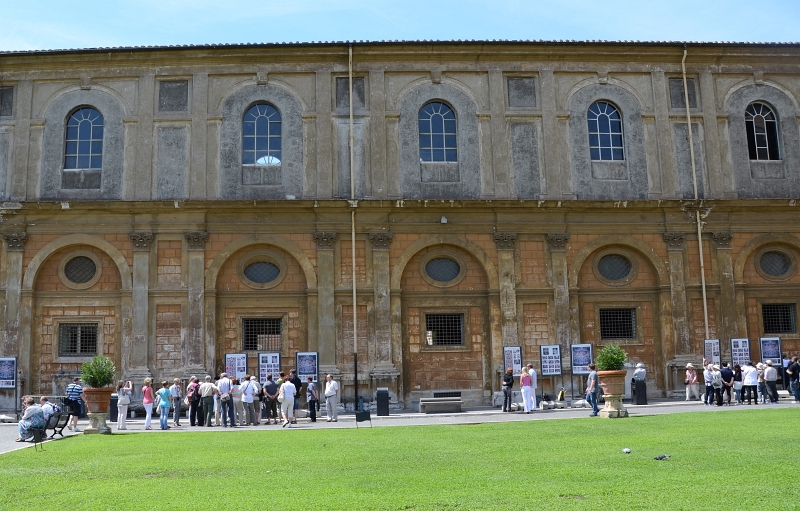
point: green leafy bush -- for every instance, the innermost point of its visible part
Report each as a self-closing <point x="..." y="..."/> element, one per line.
<point x="99" y="372"/>
<point x="611" y="358"/>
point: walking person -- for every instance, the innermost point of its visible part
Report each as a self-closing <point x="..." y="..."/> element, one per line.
<point x="288" y="392"/>
<point x="163" y="404"/>
<point x="525" y="387"/>
<point x="248" y="391"/>
<point x="148" y="396"/>
<point x="691" y="382"/>
<point x="737" y="383"/>
<point x="312" y="398"/>
<point x="74" y="402"/>
<point x="591" y="389"/>
<point x="750" y="382"/>
<point x="508" y="385"/>
<point x="175" y="396"/>
<point x="271" y="396"/>
<point x="195" y="406"/>
<point x="727" y="382"/>
<point x="331" y="398"/>
<point x="794" y="378"/>
<point x="207" y="392"/>
<point x="771" y="379"/>
<point x="124" y="391"/>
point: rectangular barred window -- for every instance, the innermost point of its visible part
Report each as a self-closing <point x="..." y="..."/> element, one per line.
<point x="77" y="339"/>
<point x="617" y="324"/>
<point x="444" y="329"/>
<point x="779" y="318"/>
<point x="262" y="334"/>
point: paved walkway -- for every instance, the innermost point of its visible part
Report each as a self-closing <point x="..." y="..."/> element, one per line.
<point x="8" y="432"/>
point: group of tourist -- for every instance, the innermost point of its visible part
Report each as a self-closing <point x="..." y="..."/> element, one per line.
<point x="527" y="384"/>
<point x="757" y="384"/>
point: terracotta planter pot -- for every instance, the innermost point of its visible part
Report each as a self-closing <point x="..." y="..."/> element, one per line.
<point x="613" y="382"/>
<point x="98" y="400"/>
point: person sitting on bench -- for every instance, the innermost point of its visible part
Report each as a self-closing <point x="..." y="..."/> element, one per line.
<point x="32" y="419"/>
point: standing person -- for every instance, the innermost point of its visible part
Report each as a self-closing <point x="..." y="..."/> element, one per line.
<point x="691" y="382"/>
<point x="639" y="384"/>
<point x="762" y="385"/>
<point x="298" y="385"/>
<point x="331" y="398"/>
<point x="727" y="382"/>
<point x="737" y="383"/>
<point x="175" y="396"/>
<point x="195" y="407"/>
<point x="74" y="402"/>
<point x="794" y="378"/>
<point x="525" y="387"/>
<point x="750" y="382"/>
<point x="226" y="402"/>
<point x="248" y="392"/>
<point x="207" y="392"/>
<point x="591" y="389"/>
<point x="238" y="407"/>
<point x="257" y="395"/>
<point x="311" y="398"/>
<point x="163" y="404"/>
<point x="271" y="397"/>
<point x="708" y="399"/>
<point x="771" y="379"/>
<point x="534" y="385"/>
<point x="124" y="391"/>
<point x="148" y="396"/>
<point x="289" y="391"/>
<point x="716" y="383"/>
<point x="508" y="385"/>
<point x="281" y="378"/>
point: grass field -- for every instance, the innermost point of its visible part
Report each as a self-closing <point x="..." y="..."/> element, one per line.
<point x="746" y="455"/>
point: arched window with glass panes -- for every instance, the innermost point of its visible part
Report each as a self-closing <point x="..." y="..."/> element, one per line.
<point x="83" y="140"/>
<point x="437" y="133"/>
<point x="261" y="135"/>
<point x="605" y="132"/>
<point x="762" y="132"/>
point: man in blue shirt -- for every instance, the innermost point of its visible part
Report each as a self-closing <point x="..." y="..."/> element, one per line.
<point x="74" y="402"/>
<point x="591" y="389"/>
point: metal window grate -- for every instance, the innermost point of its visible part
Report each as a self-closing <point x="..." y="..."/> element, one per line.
<point x="614" y="267"/>
<point x="779" y="318"/>
<point x="262" y="272"/>
<point x="775" y="264"/>
<point x="77" y="339"/>
<point x="447" y="394"/>
<point x="442" y="269"/>
<point x="444" y="329"/>
<point x="617" y="324"/>
<point x="262" y="334"/>
<point x="80" y="270"/>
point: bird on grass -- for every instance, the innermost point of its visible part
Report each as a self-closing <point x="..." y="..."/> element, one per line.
<point x="662" y="457"/>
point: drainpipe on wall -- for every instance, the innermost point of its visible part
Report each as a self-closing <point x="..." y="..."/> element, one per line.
<point x="353" y="205"/>
<point x="696" y="197"/>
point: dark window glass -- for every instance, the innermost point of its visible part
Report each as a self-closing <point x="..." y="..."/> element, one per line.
<point x="442" y="269"/>
<point x="77" y="339"/>
<point x="605" y="132"/>
<point x="614" y="267"/>
<point x="262" y="334"/>
<point x="261" y="136"/>
<point x="779" y="318"/>
<point x="6" y="101"/>
<point x="617" y="324"/>
<point x="775" y="264"/>
<point x="444" y="329"/>
<point x="262" y="272"/>
<point x="80" y="270"/>
<point x="83" y="148"/>
<point x="762" y="132"/>
<point x="437" y="133"/>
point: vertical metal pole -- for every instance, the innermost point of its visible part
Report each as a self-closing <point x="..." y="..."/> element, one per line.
<point x="353" y="224"/>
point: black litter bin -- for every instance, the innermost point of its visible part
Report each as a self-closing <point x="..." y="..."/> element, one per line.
<point x="113" y="411"/>
<point x="640" y="392"/>
<point x="383" y="401"/>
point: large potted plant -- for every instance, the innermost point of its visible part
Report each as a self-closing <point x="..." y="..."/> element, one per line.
<point x="610" y="362"/>
<point x="98" y="375"/>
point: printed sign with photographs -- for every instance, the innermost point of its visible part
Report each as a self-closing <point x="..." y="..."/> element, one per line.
<point x="268" y="363"/>
<point x="770" y="349"/>
<point x="512" y="357"/>
<point x="740" y="351"/>
<point x="550" y="357"/>
<point x="711" y="351"/>
<point x="581" y="358"/>
<point x="8" y="373"/>
<point x="236" y="365"/>
<point x="307" y="365"/>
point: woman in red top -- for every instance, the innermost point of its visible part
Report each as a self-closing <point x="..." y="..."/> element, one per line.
<point x="147" y="401"/>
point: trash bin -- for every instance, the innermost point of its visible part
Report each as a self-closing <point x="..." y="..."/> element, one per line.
<point x="113" y="411"/>
<point x="640" y="392"/>
<point x="383" y="401"/>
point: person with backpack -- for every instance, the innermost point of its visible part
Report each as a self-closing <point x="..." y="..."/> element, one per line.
<point x="716" y="384"/>
<point x="508" y="385"/>
<point x="195" y="406"/>
<point x="74" y="401"/>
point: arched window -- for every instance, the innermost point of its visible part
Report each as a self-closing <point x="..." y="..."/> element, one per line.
<point x="83" y="149"/>
<point x="762" y="132"/>
<point x="261" y="136"/>
<point x="437" y="133"/>
<point x="605" y="132"/>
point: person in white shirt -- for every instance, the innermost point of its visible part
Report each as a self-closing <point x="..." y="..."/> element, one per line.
<point x="225" y="386"/>
<point x="750" y="382"/>
<point x="534" y="384"/>
<point x="331" y="397"/>
<point x="175" y="397"/>
<point x="249" y="389"/>
<point x="47" y="408"/>
<point x="771" y="379"/>
<point x="289" y="392"/>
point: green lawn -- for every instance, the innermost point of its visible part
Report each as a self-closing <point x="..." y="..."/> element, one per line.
<point x="744" y="455"/>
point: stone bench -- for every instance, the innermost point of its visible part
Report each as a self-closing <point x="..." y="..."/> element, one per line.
<point x="440" y="404"/>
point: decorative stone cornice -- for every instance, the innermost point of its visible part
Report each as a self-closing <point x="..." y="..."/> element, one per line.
<point x="674" y="240"/>
<point x="141" y="240"/>
<point x="505" y="240"/>
<point x="325" y="240"/>
<point x="380" y="240"/>
<point x="723" y="239"/>
<point x="197" y="240"/>
<point x="15" y="240"/>
<point x="557" y="241"/>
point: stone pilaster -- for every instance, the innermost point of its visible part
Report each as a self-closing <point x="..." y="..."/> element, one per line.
<point x="135" y="356"/>
<point x="384" y="373"/>
<point x="681" y="335"/>
<point x="557" y="243"/>
<point x="325" y="302"/>
<point x="506" y="243"/>
<point x="728" y="325"/>
<point x="16" y="307"/>
<point x="194" y="354"/>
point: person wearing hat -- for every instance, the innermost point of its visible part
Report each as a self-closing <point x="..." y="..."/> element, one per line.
<point x="639" y="385"/>
<point x="762" y="385"/>
<point x="691" y="382"/>
<point x="771" y="379"/>
<point x="716" y="383"/>
<point x="74" y="401"/>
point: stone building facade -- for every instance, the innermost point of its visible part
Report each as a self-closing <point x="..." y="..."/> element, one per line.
<point x="165" y="206"/>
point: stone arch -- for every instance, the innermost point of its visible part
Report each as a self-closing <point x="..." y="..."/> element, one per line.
<point x="617" y="239"/>
<point x="78" y="239"/>
<point x="608" y="180"/>
<point x="445" y="239"/>
<point x="611" y="81"/>
<point x="254" y="182"/>
<point x="754" y="244"/>
<point x="430" y="180"/>
<point x="261" y="239"/>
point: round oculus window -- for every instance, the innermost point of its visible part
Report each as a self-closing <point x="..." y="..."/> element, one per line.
<point x="262" y="272"/>
<point x="442" y="269"/>
<point x="775" y="264"/>
<point x="80" y="270"/>
<point x="614" y="267"/>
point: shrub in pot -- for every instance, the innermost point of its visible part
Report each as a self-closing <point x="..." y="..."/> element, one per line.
<point x="610" y="362"/>
<point x="98" y="375"/>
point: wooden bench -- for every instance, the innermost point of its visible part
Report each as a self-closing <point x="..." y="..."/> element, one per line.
<point x="440" y="404"/>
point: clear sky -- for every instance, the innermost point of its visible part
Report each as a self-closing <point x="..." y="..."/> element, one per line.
<point x="57" y="24"/>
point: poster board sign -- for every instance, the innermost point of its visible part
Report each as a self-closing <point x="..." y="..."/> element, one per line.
<point x="268" y="363"/>
<point x="740" y="351"/>
<point x="711" y="351"/>
<point x="307" y="365"/>
<point x="512" y="357"/>
<point x="8" y="373"/>
<point x="582" y="356"/>
<point x="550" y="358"/>
<point x="236" y="365"/>
<point x="770" y="349"/>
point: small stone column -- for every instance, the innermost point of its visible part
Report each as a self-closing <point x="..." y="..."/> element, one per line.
<point x="325" y="302"/>
<point x="506" y="243"/>
<point x="194" y="347"/>
<point x="135" y="355"/>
